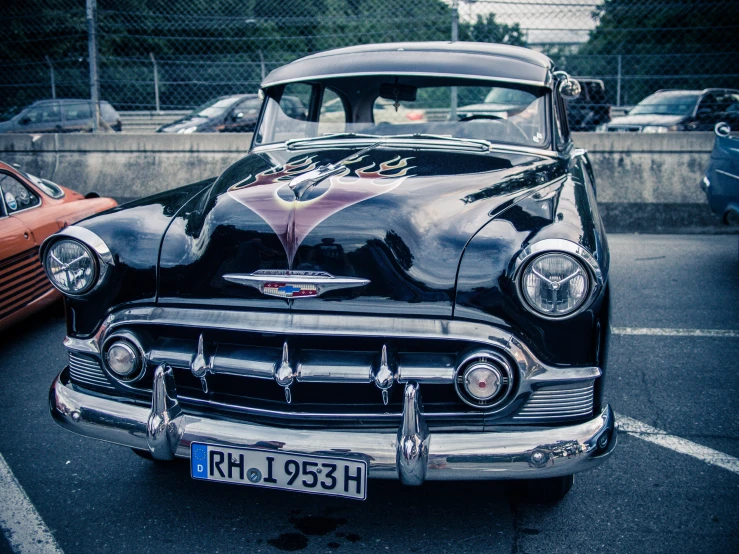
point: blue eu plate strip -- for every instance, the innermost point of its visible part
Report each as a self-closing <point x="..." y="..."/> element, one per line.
<point x="199" y="460"/>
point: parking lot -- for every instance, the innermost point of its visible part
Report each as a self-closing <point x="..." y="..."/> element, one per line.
<point x="673" y="372"/>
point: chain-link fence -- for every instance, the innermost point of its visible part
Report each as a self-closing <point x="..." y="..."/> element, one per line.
<point x="177" y="54"/>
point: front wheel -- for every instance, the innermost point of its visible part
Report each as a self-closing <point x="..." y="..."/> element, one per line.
<point x="545" y="491"/>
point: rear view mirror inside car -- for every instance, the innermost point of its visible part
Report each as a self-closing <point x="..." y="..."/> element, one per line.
<point x="397" y="92"/>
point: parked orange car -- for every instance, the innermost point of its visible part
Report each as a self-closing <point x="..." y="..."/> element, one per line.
<point x="31" y="209"/>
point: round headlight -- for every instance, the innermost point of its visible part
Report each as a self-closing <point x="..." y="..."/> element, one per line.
<point x="122" y="359"/>
<point x="71" y="266"/>
<point x="555" y="284"/>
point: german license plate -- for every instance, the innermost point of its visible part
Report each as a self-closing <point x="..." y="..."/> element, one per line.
<point x="280" y="470"/>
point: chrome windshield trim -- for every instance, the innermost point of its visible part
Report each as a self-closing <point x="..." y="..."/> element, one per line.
<point x="343" y="143"/>
<point x="547" y="83"/>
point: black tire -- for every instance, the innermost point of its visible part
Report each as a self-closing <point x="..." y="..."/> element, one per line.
<point x="545" y="491"/>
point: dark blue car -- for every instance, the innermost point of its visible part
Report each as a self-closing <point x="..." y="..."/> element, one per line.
<point x="721" y="182"/>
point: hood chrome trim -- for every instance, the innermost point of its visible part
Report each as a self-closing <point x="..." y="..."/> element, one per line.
<point x="294" y="284"/>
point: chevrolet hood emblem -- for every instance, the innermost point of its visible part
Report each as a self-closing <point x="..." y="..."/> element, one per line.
<point x="294" y="284"/>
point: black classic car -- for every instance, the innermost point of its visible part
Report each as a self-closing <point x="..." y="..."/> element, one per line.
<point x="399" y="299"/>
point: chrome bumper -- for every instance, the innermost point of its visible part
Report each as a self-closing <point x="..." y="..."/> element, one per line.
<point x="412" y="455"/>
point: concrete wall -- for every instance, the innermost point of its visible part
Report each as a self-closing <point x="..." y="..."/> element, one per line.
<point x="646" y="182"/>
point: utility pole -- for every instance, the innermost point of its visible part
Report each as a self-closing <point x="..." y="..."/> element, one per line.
<point x="455" y="37"/>
<point x="93" y="56"/>
<point x="261" y="59"/>
<point x="51" y="73"/>
<point x="156" y="80"/>
<point x="618" y="82"/>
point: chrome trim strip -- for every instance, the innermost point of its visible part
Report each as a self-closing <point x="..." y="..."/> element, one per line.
<point x="90" y="345"/>
<point x="325" y="366"/>
<point x="416" y="143"/>
<point x="545" y="84"/>
<point x="338" y="325"/>
<point x="727" y="174"/>
<point x="426" y="368"/>
<point x="502" y="453"/>
<point x="86" y="236"/>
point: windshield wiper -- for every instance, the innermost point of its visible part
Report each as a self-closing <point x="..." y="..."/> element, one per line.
<point x="481" y="144"/>
<point x="331" y="136"/>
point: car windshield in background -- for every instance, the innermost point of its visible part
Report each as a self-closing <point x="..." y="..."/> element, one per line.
<point x="498" y="114"/>
<point x="666" y="104"/>
<point x="215" y="108"/>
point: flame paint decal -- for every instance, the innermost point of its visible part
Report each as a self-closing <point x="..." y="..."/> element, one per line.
<point x="293" y="220"/>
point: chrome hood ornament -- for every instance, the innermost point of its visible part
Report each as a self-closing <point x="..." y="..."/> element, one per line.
<point x="294" y="284"/>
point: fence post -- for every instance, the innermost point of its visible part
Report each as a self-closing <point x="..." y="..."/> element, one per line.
<point x="618" y="83"/>
<point x="261" y="60"/>
<point x="92" y="48"/>
<point x="51" y="73"/>
<point x="455" y="37"/>
<point x="156" y="80"/>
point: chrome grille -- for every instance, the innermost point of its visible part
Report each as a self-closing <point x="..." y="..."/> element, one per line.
<point x="86" y="370"/>
<point x="559" y="402"/>
<point x="22" y="281"/>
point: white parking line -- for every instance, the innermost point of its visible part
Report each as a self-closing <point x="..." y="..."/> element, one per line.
<point x="683" y="446"/>
<point x="663" y="332"/>
<point x="20" y="522"/>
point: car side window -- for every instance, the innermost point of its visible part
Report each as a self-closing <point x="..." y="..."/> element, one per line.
<point x="47" y="113"/>
<point x="77" y="111"/>
<point x="17" y="196"/>
<point x="709" y="104"/>
<point x="332" y="116"/>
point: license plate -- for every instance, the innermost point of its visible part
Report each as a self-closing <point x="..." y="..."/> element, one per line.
<point x="280" y="470"/>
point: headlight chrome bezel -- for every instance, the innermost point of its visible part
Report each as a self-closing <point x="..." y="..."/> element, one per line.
<point x="557" y="246"/>
<point x="101" y="255"/>
<point x="87" y="251"/>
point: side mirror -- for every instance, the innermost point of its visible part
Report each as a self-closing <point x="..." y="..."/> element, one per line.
<point x="237" y="116"/>
<point x="25" y="121"/>
<point x="722" y="129"/>
<point x="568" y="87"/>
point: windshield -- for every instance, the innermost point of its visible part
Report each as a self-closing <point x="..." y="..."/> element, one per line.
<point x="49" y="188"/>
<point x="666" y="104"/>
<point x="214" y="108"/>
<point x="382" y="107"/>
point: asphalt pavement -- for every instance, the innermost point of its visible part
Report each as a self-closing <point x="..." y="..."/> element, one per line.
<point x="98" y="498"/>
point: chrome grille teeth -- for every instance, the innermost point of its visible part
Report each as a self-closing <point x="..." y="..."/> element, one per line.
<point x="558" y="403"/>
<point x="87" y="371"/>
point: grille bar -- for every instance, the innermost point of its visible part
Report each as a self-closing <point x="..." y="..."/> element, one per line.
<point x="87" y="371"/>
<point x="558" y="403"/>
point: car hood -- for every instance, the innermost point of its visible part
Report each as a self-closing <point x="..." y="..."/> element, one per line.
<point x="182" y="123"/>
<point x="396" y="219"/>
<point x="648" y="119"/>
